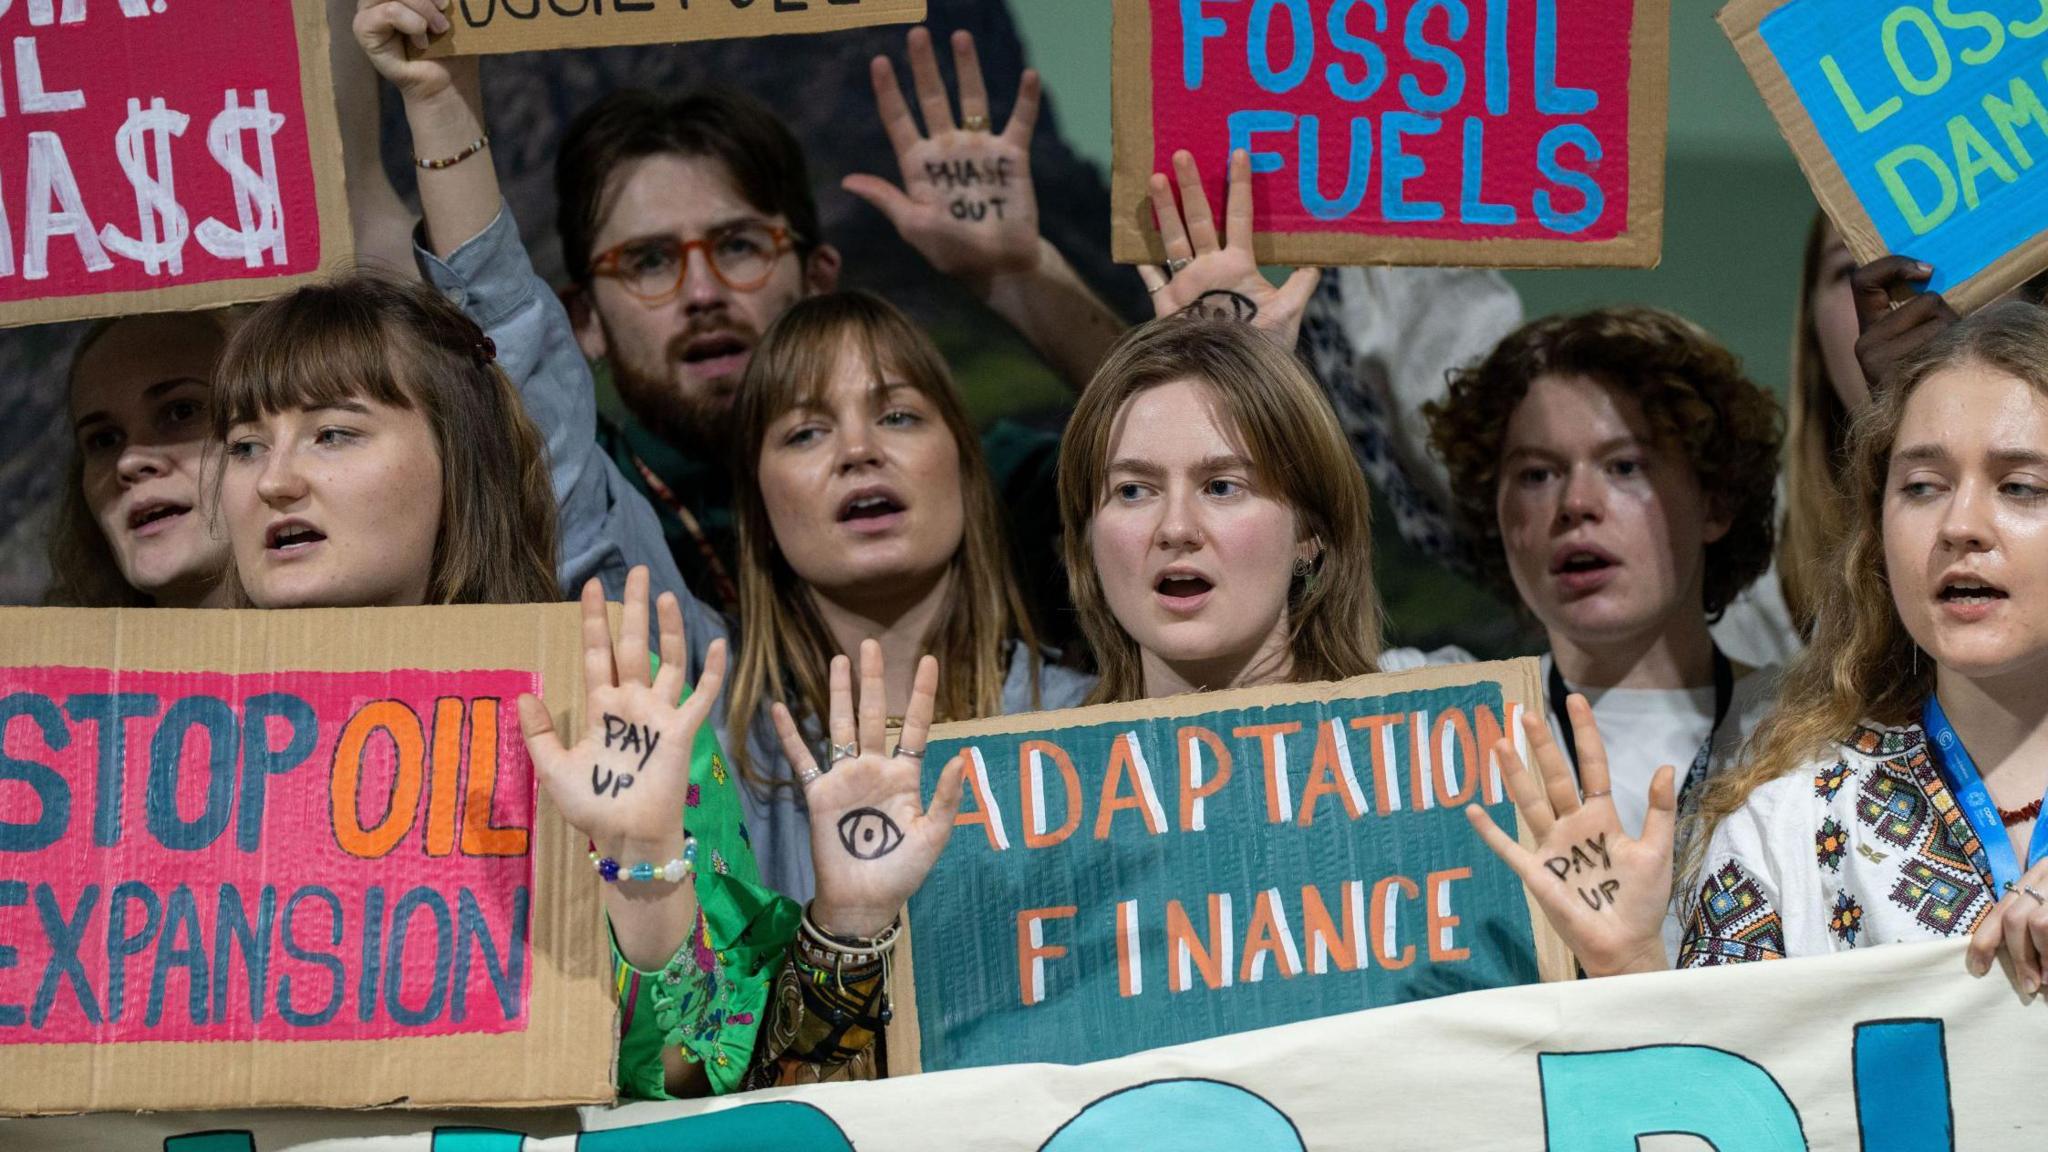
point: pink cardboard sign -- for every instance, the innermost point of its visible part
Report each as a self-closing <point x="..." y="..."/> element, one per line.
<point x="154" y="145"/>
<point x="199" y="856"/>
<point x="1404" y="131"/>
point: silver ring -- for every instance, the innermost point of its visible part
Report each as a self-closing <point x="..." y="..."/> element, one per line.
<point x="2038" y="898"/>
<point x="844" y="752"/>
<point x="1596" y="795"/>
<point x="1176" y="263"/>
<point x="808" y="775"/>
<point x="916" y="757"/>
<point x="974" y="123"/>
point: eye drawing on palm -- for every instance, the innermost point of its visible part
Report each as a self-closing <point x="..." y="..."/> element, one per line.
<point x="869" y="834"/>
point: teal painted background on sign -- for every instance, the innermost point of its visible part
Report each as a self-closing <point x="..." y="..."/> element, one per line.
<point x="965" y="918"/>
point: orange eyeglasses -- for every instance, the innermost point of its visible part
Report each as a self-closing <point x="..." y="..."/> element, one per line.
<point x="652" y="268"/>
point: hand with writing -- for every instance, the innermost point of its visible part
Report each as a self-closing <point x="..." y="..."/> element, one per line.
<point x="385" y="27"/>
<point x="872" y="839"/>
<point x="625" y="782"/>
<point x="967" y="203"/>
<point x="1220" y="277"/>
<point x="1604" y="893"/>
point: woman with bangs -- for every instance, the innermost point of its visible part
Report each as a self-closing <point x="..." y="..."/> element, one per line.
<point x="1217" y="531"/>
<point x="1895" y="794"/>
<point x="878" y="527"/>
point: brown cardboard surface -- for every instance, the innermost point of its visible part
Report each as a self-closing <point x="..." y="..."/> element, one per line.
<point x="337" y="234"/>
<point x="1134" y="236"/>
<point x="1519" y="684"/>
<point x="1740" y="20"/>
<point x="566" y="1053"/>
<point x="485" y="27"/>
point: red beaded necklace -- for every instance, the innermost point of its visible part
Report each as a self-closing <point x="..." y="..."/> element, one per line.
<point x="2021" y="815"/>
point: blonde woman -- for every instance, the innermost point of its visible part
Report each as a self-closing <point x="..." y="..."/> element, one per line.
<point x="1895" y="795"/>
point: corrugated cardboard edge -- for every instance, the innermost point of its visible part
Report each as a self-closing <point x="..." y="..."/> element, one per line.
<point x="1134" y="239"/>
<point x="337" y="234"/>
<point x="1519" y="685"/>
<point x="723" y="22"/>
<point x="565" y="1057"/>
<point x="1741" y="21"/>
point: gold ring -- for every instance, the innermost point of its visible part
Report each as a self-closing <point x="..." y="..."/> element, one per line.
<point x="974" y="123"/>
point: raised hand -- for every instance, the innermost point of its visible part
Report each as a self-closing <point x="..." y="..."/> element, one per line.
<point x="1219" y="277"/>
<point x="624" y="782"/>
<point x="872" y="839"/>
<point x="1895" y="315"/>
<point x="1604" y="893"/>
<point x="967" y="203"/>
<point x="385" y="27"/>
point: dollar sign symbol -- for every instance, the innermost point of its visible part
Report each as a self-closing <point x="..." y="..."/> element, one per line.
<point x="156" y="197"/>
<point x="258" y="204"/>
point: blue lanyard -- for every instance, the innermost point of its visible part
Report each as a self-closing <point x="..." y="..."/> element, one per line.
<point x="1960" y="772"/>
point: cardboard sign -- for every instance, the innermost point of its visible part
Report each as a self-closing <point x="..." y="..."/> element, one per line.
<point x="1461" y="132"/>
<point x="1918" y="128"/>
<point x="1134" y="876"/>
<point x="165" y="154"/>
<point x="1888" y="1049"/>
<point x="269" y="858"/>
<point x="483" y="27"/>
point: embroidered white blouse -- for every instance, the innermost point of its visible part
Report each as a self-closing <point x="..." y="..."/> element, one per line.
<point x="1864" y="847"/>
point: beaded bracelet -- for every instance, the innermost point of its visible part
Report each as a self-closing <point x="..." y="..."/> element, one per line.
<point x="472" y="148"/>
<point x="611" y="871"/>
<point x="823" y="952"/>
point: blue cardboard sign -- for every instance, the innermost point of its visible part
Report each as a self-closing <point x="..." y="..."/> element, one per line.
<point x="1920" y="124"/>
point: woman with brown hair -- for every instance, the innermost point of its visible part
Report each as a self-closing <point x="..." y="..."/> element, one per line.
<point x="131" y="530"/>
<point x="1895" y="794"/>
<point x="1217" y="530"/>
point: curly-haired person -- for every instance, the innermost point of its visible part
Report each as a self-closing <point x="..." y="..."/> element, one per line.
<point x="1618" y="469"/>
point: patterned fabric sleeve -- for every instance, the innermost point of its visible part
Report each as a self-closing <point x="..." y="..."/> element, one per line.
<point x="710" y="998"/>
<point x="1735" y="916"/>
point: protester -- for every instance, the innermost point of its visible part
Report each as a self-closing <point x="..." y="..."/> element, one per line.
<point x="132" y="529"/>
<point x="1827" y="388"/>
<point x="869" y="401"/>
<point x="1894" y="795"/>
<point x="1217" y="530"/>
<point x="1620" y="467"/>
<point x="640" y="177"/>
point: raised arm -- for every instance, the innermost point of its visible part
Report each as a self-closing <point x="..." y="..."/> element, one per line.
<point x="469" y="248"/>
<point x="969" y="206"/>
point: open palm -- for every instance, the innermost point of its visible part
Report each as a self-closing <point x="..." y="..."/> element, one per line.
<point x="1218" y="275"/>
<point x="625" y="781"/>
<point x="1604" y="893"/>
<point x="967" y="203"/>
<point x="873" y="841"/>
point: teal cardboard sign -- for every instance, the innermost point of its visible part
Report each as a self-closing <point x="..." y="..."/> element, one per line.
<point x="1134" y="876"/>
<point x="1919" y="125"/>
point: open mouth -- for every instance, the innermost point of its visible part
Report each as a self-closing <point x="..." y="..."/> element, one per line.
<point x="1581" y="562"/>
<point x="1176" y="587"/>
<point x="1965" y="591"/>
<point x="715" y="346"/>
<point x="867" y="507"/>
<point x="291" y="536"/>
<point x="145" y="515"/>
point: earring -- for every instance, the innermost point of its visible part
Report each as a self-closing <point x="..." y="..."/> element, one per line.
<point x="1303" y="565"/>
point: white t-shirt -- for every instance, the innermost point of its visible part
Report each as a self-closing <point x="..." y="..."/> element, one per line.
<point x="1644" y="729"/>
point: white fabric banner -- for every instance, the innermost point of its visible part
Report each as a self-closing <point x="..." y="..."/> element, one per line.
<point x="1894" y="1049"/>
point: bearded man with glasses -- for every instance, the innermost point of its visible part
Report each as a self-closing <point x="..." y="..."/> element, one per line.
<point x="689" y="226"/>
